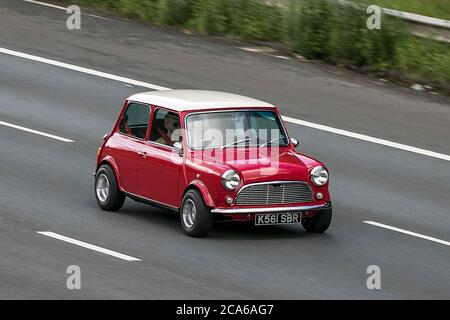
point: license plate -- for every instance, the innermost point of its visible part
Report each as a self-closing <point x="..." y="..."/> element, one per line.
<point x="277" y="218"/>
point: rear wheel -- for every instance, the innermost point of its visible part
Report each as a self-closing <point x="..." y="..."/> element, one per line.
<point x="196" y="218"/>
<point x="107" y="192"/>
<point x="319" y="223"/>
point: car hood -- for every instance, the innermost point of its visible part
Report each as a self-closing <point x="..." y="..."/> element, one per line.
<point x="265" y="164"/>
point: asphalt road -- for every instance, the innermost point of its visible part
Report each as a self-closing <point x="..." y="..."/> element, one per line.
<point x="46" y="185"/>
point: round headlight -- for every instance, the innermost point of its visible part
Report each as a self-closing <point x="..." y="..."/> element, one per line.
<point x="319" y="176"/>
<point x="230" y="180"/>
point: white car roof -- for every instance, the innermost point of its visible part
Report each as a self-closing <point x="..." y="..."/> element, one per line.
<point x="182" y="100"/>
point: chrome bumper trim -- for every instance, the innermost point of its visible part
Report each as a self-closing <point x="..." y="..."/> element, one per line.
<point x="272" y="210"/>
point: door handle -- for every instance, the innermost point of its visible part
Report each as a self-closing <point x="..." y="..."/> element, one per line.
<point x="143" y="154"/>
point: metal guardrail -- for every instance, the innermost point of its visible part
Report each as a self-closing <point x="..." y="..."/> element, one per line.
<point x="419" y="25"/>
<point x="417" y="18"/>
<point x="424" y="26"/>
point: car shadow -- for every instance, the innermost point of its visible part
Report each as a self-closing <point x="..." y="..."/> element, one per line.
<point x="169" y="220"/>
<point x="247" y="230"/>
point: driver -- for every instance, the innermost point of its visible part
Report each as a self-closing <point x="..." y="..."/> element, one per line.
<point x="172" y="124"/>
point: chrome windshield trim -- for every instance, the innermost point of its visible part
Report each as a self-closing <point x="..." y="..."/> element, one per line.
<point x="272" y="210"/>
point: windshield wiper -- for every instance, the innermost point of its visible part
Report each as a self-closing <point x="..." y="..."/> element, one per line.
<point x="235" y="142"/>
<point x="269" y="142"/>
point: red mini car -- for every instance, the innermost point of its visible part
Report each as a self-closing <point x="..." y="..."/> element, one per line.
<point x="209" y="156"/>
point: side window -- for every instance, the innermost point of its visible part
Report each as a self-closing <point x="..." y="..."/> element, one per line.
<point x="135" y="120"/>
<point x="166" y="127"/>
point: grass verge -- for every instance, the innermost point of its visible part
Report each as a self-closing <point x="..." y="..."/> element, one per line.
<point x="319" y="29"/>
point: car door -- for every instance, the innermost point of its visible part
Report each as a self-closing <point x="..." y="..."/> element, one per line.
<point x="131" y="137"/>
<point x="159" y="164"/>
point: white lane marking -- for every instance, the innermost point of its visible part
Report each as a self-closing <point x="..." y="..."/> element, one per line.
<point x="251" y="49"/>
<point x="287" y="119"/>
<point x="81" y="69"/>
<point x="369" y="139"/>
<point x="95" y="16"/>
<point x="61" y="8"/>
<point x="265" y="50"/>
<point x="418" y="235"/>
<point x="88" y="246"/>
<point x="48" y="135"/>
<point x="281" y="57"/>
<point x="46" y="4"/>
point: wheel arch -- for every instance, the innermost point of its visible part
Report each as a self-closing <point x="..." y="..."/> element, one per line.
<point x="204" y="192"/>
<point x="110" y="161"/>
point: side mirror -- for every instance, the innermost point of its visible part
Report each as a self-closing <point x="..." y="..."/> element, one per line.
<point x="105" y="136"/>
<point x="294" y="142"/>
<point x="178" y="148"/>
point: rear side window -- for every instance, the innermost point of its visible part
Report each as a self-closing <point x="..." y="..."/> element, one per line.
<point x="135" y="120"/>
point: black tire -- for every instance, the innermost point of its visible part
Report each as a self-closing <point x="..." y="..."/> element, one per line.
<point x="115" y="198"/>
<point x="319" y="223"/>
<point x="203" y="220"/>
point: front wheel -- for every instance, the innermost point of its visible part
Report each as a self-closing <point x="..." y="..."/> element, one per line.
<point x="196" y="218"/>
<point x="319" y="223"/>
<point x="107" y="192"/>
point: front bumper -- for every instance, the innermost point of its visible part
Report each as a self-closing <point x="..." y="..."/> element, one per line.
<point x="272" y="209"/>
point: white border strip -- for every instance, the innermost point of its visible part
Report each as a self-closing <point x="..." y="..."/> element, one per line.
<point x="418" y="235"/>
<point x="48" y="135"/>
<point x="369" y="139"/>
<point x="61" y="8"/>
<point x="81" y="69"/>
<point x="287" y="119"/>
<point x="88" y="246"/>
<point x="46" y="4"/>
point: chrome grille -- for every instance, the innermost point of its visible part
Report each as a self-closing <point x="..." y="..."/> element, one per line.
<point x="275" y="193"/>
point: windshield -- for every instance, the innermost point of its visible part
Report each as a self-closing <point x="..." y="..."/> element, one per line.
<point x="235" y="128"/>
